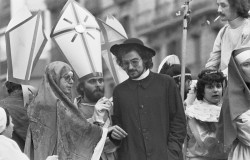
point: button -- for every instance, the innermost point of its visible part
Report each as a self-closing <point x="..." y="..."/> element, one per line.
<point x="141" y="106"/>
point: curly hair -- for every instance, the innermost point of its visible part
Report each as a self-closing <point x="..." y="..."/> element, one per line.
<point x="242" y="7"/>
<point x="207" y="77"/>
<point x="146" y="58"/>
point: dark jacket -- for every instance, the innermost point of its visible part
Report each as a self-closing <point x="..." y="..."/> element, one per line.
<point x="151" y="112"/>
<point x="15" y="106"/>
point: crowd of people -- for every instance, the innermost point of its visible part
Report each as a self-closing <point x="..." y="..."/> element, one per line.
<point x="145" y="119"/>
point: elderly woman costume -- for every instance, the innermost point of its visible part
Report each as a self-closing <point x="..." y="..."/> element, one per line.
<point x="56" y="126"/>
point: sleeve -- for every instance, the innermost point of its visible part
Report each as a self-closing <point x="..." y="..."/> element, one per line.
<point x="116" y="117"/>
<point x="177" y="124"/>
<point x="215" y="56"/>
<point x="201" y="133"/>
<point x="109" y="146"/>
<point x="243" y="128"/>
<point x="245" y="38"/>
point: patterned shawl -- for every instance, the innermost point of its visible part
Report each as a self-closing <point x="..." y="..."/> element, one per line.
<point x="56" y="126"/>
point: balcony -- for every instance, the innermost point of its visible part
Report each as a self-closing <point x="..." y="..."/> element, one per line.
<point x="164" y="14"/>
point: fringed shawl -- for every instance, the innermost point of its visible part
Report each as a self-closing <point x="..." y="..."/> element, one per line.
<point x="56" y="125"/>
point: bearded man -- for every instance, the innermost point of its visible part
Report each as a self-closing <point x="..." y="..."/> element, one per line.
<point x="96" y="108"/>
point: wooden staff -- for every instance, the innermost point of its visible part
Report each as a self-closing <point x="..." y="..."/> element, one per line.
<point x="184" y="46"/>
<point x="183" y="61"/>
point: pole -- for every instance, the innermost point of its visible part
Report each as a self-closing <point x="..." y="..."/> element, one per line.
<point x="184" y="46"/>
<point x="183" y="61"/>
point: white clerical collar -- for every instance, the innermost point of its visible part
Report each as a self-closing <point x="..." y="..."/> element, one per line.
<point x="144" y="75"/>
<point x="236" y="22"/>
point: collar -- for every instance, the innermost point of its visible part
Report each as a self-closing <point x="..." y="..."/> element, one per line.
<point x="81" y="101"/>
<point x="144" y="75"/>
<point x="236" y="22"/>
<point x="144" y="83"/>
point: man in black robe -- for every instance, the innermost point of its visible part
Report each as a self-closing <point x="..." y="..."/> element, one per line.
<point x="148" y="111"/>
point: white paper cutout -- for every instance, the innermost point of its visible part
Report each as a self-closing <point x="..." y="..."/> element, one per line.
<point x="112" y="33"/>
<point x="25" y="41"/>
<point x="77" y="34"/>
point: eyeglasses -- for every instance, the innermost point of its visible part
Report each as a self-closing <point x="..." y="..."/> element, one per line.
<point x="68" y="78"/>
<point x="133" y="62"/>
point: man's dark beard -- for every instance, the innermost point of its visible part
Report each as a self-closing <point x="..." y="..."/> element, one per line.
<point x="95" y="95"/>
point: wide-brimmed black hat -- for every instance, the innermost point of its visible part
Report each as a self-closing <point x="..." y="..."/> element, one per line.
<point x="117" y="48"/>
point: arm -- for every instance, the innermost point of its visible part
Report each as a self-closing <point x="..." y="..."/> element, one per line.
<point x="116" y="133"/>
<point x="177" y="124"/>
<point x="215" y="56"/>
<point x="243" y="127"/>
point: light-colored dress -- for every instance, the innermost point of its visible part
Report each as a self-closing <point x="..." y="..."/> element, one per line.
<point x="9" y="150"/>
<point x="202" y="143"/>
<point x="241" y="146"/>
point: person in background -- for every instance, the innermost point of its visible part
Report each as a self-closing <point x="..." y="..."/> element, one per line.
<point x="174" y="71"/>
<point x="56" y="125"/>
<point x="14" y="103"/>
<point x="9" y="149"/>
<point x="234" y="128"/>
<point x="96" y="108"/>
<point x="149" y="120"/>
<point x="203" y="116"/>
<point x="235" y="34"/>
<point x="168" y="61"/>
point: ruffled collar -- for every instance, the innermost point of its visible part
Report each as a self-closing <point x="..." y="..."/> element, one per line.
<point x="204" y="111"/>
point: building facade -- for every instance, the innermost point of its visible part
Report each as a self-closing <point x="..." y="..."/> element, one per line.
<point x="160" y="24"/>
<point x="157" y="22"/>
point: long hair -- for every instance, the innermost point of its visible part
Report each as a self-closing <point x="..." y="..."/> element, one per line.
<point x="146" y="57"/>
<point x="241" y="6"/>
<point x="206" y="77"/>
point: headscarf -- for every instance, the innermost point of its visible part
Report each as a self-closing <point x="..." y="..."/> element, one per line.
<point x="3" y="119"/>
<point x="236" y="101"/>
<point x="56" y="126"/>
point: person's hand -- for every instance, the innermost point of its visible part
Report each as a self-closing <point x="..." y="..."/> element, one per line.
<point x="117" y="132"/>
<point x="102" y="109"/>
<point x="54" y="157"/>
<point x="103" y="104"/>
